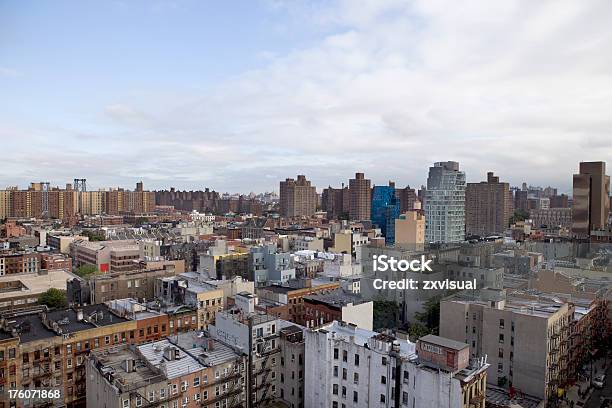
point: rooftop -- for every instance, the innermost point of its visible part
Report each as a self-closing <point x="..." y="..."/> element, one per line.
<point x="112" y="364"/>
<point x="93" y="316"/>
<point x="444" y="342"/>
<point x="34" y="283"/>
<point x="181" y="365"/>
<point x="361" y="337"/>
<point x="208" y="351"/>
<point x="337" y="298"/>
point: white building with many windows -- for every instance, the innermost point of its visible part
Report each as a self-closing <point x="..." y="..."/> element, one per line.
<point x="361" y="368"/>
<point x="445" y="203"/>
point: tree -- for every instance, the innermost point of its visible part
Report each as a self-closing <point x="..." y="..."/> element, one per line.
<point x="53" y="298"/>
<point x="85" y="271"/>
<point x="519" y="215"/>
<point x="417" y="330"/>
<point x="386" y="314"/>
<point x="93" y="236"/>
<point x="431" y="316"/>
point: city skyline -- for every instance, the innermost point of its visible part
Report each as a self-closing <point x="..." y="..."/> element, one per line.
<point x="61" y="184"/>
<point x="197" y="95"/>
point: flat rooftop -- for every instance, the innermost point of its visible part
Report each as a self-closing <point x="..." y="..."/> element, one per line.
<point x="444" y="342"/>
<point x="358" y="336"/>
<point x="30" y="328"/>
<point x="93" y="316"/>
<point x="34" y="284"/>
<point x="182" y="365"/>
<point x="198" y="345"/>
<point x="113" y="362"/>
<point x="336" y="298"/>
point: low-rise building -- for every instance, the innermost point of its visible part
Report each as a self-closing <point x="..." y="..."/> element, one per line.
<point x="187" y="371"/>
<point x="18" y="262"/>
<point x="20" y="291"/>
<point x="340" y="305"/>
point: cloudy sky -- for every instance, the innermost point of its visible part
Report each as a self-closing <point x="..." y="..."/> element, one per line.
<point x="237" y="95"/>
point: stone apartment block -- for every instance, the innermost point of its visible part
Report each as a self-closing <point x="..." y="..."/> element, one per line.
<point x="292" y="366"/>
<point x="188" y="370"/>
<point x="52" y="346"/>
<point x="361" y="368"/>
<point x="488" y="207"/>
<point x="244" y="328"/>
<point x="526" y="340"/>
<point x="298" y="198"/>
<point x="360" y="198"/>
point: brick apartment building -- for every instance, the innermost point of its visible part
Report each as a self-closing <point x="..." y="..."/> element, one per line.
<point x="488" y="206"/>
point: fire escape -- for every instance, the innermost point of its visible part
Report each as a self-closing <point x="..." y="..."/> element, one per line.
<point x="262" y="374"/>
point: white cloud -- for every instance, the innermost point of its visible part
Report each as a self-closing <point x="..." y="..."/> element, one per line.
<point x="518" y="87"/>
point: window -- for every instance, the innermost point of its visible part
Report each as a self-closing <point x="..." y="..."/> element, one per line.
<point x="501" y="323"/>
<point x="356" y="378"/>
<point x="126" y="403"/>
<point x="355" y="396"/>
<point x="139" y="401"/>
<point x="406" y="376"/>
<point x="335" y="371"/>
<point x="501" y="353"/>
<point x="162" y="393"/>
<point x="501" y="338"/>
<point x="384" y="361"/>
<point x="196" y="396"/>
<point x="196" y="382"/>
<point x="343" y="392"/>
<point x="382" y="398"/>
<point x="335" y="389"/>
<point x="404" y="398"/>
<point x="205" y="395"/>
<point x="335" y="354"/>
<point x="174" y="389"/>
<point x="357" y="360"/>
<point x="344" y="373"/>
<point x="184" y="386"/>
<point x="383" y="379"/>
<point x="151" y="396"/>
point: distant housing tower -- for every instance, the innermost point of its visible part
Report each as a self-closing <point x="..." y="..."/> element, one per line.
<point x="298" y="198"/>
<point x="591" y="205"/>
<point x="360" y="198"/>
<point x="445" y="203"/>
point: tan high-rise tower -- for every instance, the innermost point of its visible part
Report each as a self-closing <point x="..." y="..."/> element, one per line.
<point x="360" y="198"/>
<point x="298" y="198"/>
<point x="591" y="199"/>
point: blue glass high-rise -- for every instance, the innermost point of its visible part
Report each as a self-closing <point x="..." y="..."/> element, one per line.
<point x="385" y="210"/>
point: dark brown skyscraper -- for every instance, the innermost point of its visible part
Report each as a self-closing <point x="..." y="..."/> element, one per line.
<point x="335" y="201"/>
<point x="360" y="197"/>
<point x="407" y="197"/>
<point x="297" y="197"/>
<point x="591" y="199"/>
<point x="488" y="206"/>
